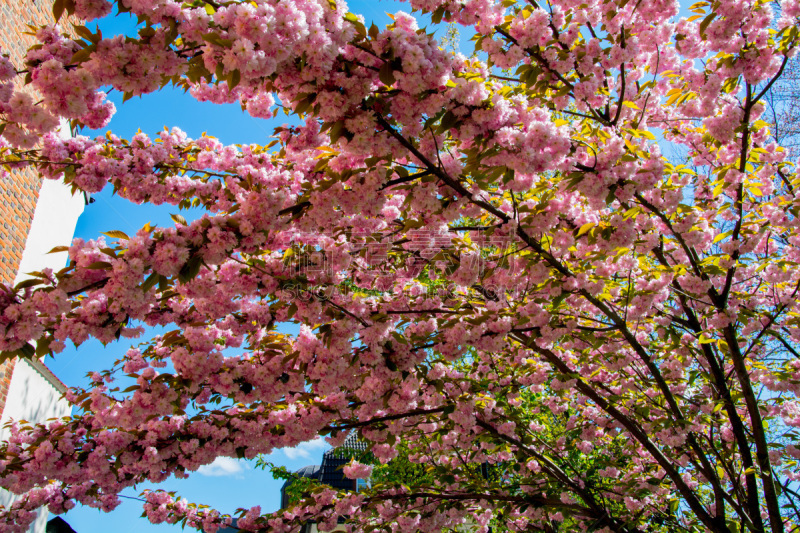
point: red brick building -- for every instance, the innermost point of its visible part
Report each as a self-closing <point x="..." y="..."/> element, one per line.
<point x="35" y="215"/>
<point x="18" y="197"/>
<point x="19" y="194"/>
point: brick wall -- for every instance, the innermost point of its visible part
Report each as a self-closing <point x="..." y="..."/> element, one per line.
<point x="6" y="370"/>
<point x="19" y="193"/>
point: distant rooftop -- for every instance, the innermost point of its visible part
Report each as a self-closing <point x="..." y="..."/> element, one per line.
<point x="330" y="472"/>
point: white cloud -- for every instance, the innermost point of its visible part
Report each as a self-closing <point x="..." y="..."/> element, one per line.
<point x="307" y="450"/>
<point x="223" y="466"/>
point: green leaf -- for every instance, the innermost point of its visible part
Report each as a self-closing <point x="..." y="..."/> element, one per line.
<point x="43" y="346"/>
<point x="150" y="282"/>
<point x="84" y="32"/>
<point x="27" y="283"/>
<point x="116" y="234"/>
<point x="214" y="38"/>
<point x="673" y="506"/>
<point x="398" y="337"/>
<point x="722" y="236"/>
<point x="191" y="269"/>
<point x="360" y="29"/>
<point x="58" y="9"/>
<point x="705" y="340"/>
<point x="27" y="351"/>
<point x="574" y="179"/>
<point x="178" y="219"/>
<point x="99" y="265"/>
<point x="718" y="188"/>
<point x="59" y="249"/>
<point x="386" y="74"/>
<point x="82" y="55"/>
<point x="706" y="21"/>
<point x="235" y="78"/>
<point x="611" y="194"/>
<point x="302" y="106"/>
<point x="448" y="121"/>
<point x="558" y="299"/>
<point x="585" y="228"/>
<point x="336" y="131"/>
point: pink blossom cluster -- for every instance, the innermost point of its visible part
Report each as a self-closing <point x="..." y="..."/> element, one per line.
<point x="580" y="297"/>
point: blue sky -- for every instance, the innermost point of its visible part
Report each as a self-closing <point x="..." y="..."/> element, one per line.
<point x="229" y="483"/>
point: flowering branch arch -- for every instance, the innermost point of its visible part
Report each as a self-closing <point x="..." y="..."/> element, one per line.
<point x="490" y="258"/>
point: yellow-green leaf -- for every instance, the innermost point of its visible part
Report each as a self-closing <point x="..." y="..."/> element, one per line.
<point x="116" y="234"/>
<point x="585" y="228"/>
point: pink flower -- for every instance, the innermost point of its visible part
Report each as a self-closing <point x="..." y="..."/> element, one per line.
<point x="356" y="470"/>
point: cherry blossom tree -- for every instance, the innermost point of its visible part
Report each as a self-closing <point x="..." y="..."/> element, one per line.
<point x="491" y="263"/>
<point x="783" y="105"/>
